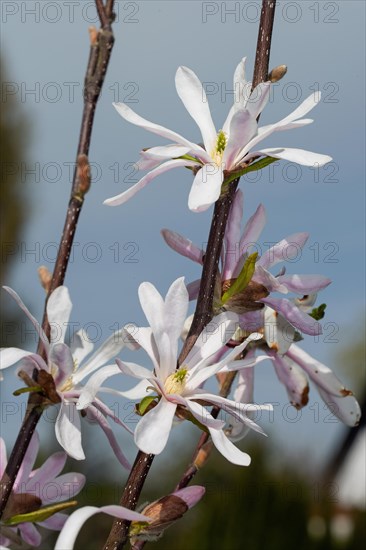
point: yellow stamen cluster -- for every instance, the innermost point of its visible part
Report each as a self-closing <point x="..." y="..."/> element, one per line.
<point x="175" y="383"/>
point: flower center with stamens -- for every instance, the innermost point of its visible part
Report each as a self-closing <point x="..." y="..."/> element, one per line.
<point x="69" y="383"/>
<point x="221" y="142"/>
<point x="175" y="383"/>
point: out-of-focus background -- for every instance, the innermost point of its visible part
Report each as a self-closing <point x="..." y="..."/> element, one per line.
<point x="295" y="491"/>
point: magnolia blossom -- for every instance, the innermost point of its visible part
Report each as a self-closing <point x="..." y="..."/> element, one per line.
<point x="36" y="488"/>
<point x="178" y="392"/>
<point x="69" y="367"/>
<point x="223" y="152"/>
<point x="236" y="248"/>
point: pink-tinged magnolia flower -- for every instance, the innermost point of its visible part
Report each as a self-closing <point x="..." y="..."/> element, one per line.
<point x="164" y="512"/>
<point x="223" y="152"/>
<point x="178" y="392"/>
<point x="69" y="366"/>
<point x="37" y="488"/>
<point x="236" y="248"/>
<point x="74" y="523"/>
<point x="294" y="367"/>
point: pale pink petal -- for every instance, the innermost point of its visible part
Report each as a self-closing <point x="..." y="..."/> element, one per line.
<point x="55" y="522"/>
<point x="153" y="306"/>
<point x="243" y="127"/>
<point x="206" y="187"/>
<point x="250" y="236"/>
<point x="304" y="284"/>
<point x="191" y="495"/>
<point x="193" y="289"/>
<point x="293" y="378"/>
<point x="30" y="534"/>
<point x="64" y="487"/>
<point x="49" y="470"/>
<point x="183" y="246"/>
<point x="232" y="237"/>
<point x="272" y="284"/>
<point x="287" y="249"/>
<point x="258" y="99"/>
<point x="27" y="464"/>
<point x="101" y="420"/>
<point x="152" y="431"/>
<point x="70" y="531"/>
<point x="59" y="308"/>
<point x="299" y="319"/>
<point x="193" y="96"/>
<point x="165" y="167"/>
<point x="68" y="430"/>
<point x="60" y="355"/>
<point x="3" y="457"/>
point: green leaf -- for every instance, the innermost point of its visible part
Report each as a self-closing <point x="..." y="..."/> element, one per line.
<point x="40" y="515"/>
<point x="244" y="278"/>
<point x="318" y="312"/>
<point x="259" y="165"/>
<point x="144" y="404"/>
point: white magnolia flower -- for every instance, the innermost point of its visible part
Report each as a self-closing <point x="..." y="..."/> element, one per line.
<point x="179" y="392"/>
<point x="223" y="152"/>
<point x="69" y="367"/>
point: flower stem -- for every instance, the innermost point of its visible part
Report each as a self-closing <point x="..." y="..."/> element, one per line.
<point x="100" y="51"/>
<point x="203" y="313"/>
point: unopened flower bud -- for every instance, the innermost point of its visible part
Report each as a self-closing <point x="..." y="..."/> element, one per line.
<point x="165" y="511"/>
<point x="277" y="73"/>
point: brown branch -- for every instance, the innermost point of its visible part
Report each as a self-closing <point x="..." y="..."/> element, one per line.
<point x="100" y="51"/>
<point x="135" y="482"/>
<point x="203" y="313"/>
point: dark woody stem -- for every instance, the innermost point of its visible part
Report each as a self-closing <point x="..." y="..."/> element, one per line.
<point x="203" y="314"/>
<point x="100" y="50"/>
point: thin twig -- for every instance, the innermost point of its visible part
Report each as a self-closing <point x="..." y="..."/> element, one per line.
<point x="203" y="313"/>
<point x="100" y="51"/>
<point x="102" y="13"/>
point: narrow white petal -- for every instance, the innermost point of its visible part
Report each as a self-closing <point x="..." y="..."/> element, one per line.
<point x="32" y="319"/>
<point x="128" y="114"/>
<point x="165" y="167"/>
<point x="228" y="449"/>
<point x="300" y="156"/>
<point x="152" y="431"/>
<point x="59" y="308"/>
<point x="193" y="96"/>
<point x="91" y="388"/>
<point x="206" y="187"/>
<point x="70" y="531"/>
<point x="68" y="430"/>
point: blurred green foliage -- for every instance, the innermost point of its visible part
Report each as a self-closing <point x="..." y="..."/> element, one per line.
<point x="14" y="206"/>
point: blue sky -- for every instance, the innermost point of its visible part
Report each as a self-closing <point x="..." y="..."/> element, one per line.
<point x="45" y="45"/>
